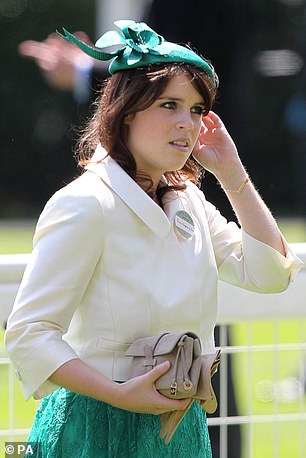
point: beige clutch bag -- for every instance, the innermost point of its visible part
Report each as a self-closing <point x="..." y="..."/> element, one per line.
<point x="188" y="377"/>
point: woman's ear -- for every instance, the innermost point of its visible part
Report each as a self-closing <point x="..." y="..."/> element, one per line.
<point x="128" y="118"/>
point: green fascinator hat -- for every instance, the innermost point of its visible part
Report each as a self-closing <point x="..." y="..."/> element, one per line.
<point x="138" y="46"/>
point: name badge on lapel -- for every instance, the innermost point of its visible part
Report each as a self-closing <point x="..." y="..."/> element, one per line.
<point x="184" y="224"/>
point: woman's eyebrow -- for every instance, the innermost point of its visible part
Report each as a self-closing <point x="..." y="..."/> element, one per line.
<point x="178" y="99"/>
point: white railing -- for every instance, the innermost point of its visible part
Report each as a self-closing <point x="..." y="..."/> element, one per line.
<point x="236" y="306"/>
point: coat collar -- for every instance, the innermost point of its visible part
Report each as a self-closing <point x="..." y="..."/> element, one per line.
<point x="132" y="194"/>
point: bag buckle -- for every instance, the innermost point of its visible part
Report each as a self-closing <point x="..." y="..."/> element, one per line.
<point x="187" y="385"/>
<point x="173" y="389"/>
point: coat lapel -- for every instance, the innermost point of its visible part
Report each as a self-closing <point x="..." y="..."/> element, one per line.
<point x="129" y="191"/>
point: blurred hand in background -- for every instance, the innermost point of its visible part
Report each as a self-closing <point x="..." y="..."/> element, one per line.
<point x="56" y="58"/>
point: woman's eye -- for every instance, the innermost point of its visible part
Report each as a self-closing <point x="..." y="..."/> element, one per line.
<point x="169" y="105"/>
<point x="199" y="110"/>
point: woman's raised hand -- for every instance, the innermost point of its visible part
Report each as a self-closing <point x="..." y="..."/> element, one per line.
<point x="215" y="149"/>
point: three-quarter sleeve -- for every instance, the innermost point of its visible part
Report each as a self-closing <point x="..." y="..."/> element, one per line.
<point x="246" y="262"/>
<point x="68" y="242"/>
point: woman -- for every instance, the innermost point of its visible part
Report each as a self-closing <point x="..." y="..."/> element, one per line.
<point x="131" y="248"/>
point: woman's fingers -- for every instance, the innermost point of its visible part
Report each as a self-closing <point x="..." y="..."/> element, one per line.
<point x="155" y="374"/>
<point x="159" y="370"/>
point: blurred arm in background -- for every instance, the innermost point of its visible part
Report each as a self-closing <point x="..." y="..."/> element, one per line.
<point x="64" y="66"/>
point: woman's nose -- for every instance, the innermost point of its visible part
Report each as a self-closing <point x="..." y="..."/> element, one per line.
<point x="185" y="120"/>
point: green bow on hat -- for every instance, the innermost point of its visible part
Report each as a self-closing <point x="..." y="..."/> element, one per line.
<point x="138" y="46"/>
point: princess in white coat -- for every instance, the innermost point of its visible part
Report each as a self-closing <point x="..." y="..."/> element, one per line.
<point x="132" y="248"/>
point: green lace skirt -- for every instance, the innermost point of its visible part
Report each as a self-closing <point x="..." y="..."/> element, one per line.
<point x="68" y="425"/>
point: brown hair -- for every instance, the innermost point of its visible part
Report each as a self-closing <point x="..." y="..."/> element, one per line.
<point x="128" y="92"/>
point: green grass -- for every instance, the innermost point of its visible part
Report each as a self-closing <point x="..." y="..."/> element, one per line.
<point x="294" y="229"/>
<point x="17" y="238"/>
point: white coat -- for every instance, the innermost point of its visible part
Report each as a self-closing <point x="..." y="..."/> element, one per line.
<point x="108" y="267"/>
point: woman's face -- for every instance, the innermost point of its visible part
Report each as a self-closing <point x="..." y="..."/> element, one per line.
<point x="162" y="137"/>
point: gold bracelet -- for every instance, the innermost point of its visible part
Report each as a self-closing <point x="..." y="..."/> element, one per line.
<point x="241" y="187"/>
